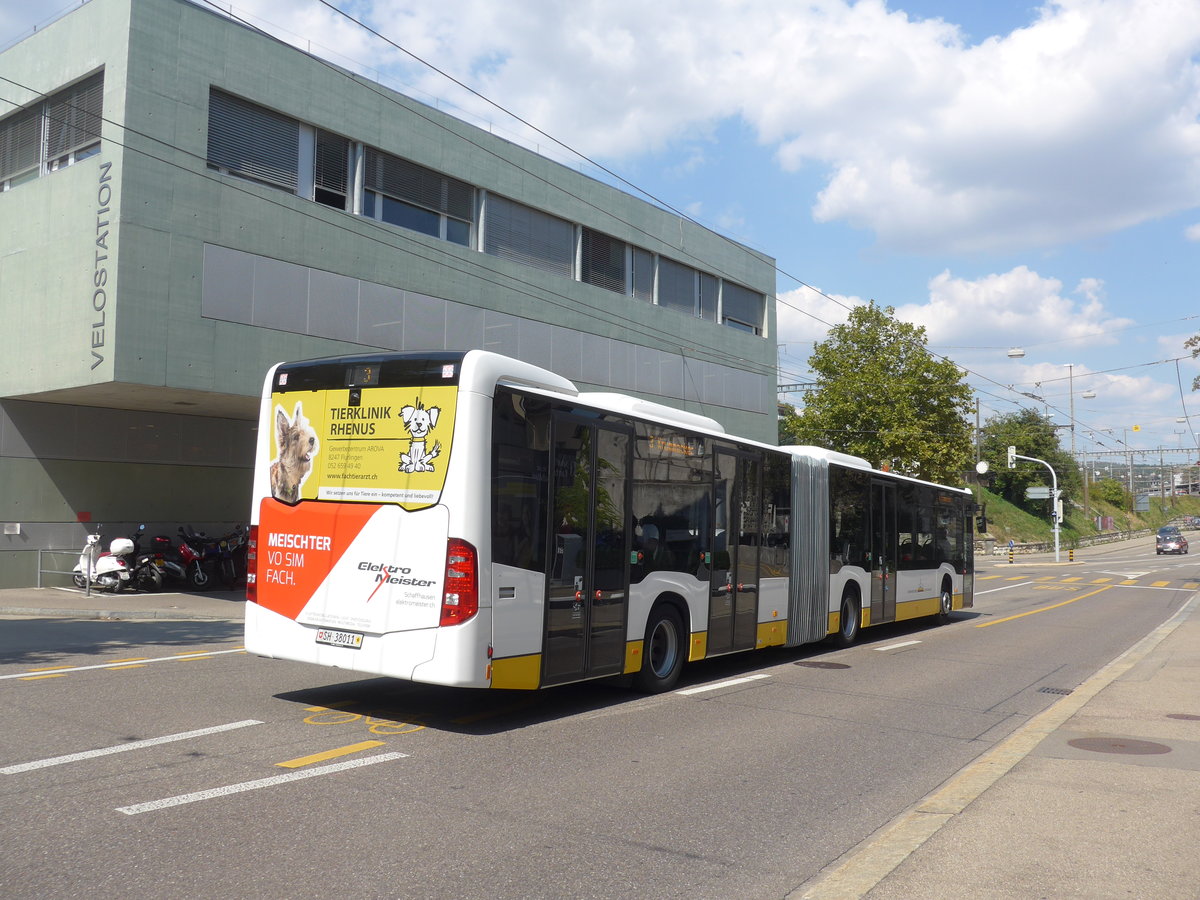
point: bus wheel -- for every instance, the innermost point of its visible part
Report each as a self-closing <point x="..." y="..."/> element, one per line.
<point x="662" y="651"/>
<point x="848" y="621"/>
<point x="945" y="606"/>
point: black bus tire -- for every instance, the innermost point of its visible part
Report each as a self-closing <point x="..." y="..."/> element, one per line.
<point x="849" y="620"/>
<point x="662" y="651"/>
<point x="945" y="605"/>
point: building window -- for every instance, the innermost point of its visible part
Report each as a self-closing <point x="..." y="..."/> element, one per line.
<point x="331" y="168"/>
<point x="522" y="234"/>
<point x="403" y="193"/>
<point x="742" y="308"/>
<point x="708" y="296"/>
<point x="676" y="286"/>
<point x="54" y="133"/>
<point x="602" y="261"/>
<point x="643" y="274"/>
<point x="252" y="141"/>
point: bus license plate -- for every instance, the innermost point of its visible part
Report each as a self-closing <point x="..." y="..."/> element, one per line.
<point x="350" y="639"/>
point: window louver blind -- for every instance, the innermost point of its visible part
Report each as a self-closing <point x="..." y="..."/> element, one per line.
<point x="676" y="286"/>
<point x="73" y="117"/>
<point x="603" y="261"/>
<point x="521" y="234"/>
<point x="20" y="142"/>
<point x="415" y="184"/>
<point x="332" y="162"/>
<point x="252" y="141"/>
<point x="742" y="305"/>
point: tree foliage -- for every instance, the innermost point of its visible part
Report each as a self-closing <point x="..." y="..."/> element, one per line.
<point x="880" y="394"/>
<point x="1033" y="434"/>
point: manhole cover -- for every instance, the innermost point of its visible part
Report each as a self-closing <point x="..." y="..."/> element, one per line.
<point x="1050" y="690"/>
<point x="817" y="664"/>
<point x="1119" y="745"/>
<point x="1187" y="717"/>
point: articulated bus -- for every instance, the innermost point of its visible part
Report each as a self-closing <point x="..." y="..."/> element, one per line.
<point x="462" y="518"/>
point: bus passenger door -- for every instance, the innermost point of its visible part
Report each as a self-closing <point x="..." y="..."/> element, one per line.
<point x="733" y="589"/>
<point x="884" y="552"/>
<point x="587" y="587"/>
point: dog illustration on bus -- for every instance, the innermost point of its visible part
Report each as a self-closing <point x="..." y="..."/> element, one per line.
<point x="297" y="442"/>
<point x="419" y="421"/>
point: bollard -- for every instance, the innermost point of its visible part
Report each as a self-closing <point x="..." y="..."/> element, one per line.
<point x="1071" y="555"/>
<point x="1010" y="556"/>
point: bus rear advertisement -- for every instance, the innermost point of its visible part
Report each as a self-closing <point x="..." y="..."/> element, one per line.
<point x="469" y="519"/>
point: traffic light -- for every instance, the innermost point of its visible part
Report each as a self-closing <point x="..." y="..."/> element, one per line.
<point x="1012" y="457"/>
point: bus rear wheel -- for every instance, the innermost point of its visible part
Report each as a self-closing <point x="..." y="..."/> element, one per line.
<point x="662" y="651"/>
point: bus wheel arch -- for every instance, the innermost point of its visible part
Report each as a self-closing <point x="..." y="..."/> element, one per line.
<point x="849" y="617"/>
<point x="664" y="648"/>
<point x="945" y="602"/>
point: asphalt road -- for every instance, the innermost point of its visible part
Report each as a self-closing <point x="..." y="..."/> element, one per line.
<point x="156" y="759"/>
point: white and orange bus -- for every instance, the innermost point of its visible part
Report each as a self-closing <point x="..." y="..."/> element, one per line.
<point x="462" y="518"/>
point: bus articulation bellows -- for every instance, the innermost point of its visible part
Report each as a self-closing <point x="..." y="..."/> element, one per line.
<point x="462" y="518"/>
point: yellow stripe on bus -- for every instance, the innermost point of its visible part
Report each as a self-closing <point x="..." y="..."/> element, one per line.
<point x="517" y="672"/>
<point x="772" y="634"/>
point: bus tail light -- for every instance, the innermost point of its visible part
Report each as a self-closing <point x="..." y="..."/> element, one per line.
<point x="461" y="598"/>
<point x="252" y="565"/>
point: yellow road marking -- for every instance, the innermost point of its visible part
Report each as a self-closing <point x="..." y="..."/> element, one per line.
<point x="329" y="754"/>
<point x="1016" y="578"/>
<point x="37" y="677"/>
<point x="1160" y="584"/>
<point x="50" y="668"/>
<point x="986" y="577"/>
<point x="129" y="666"/>
<point x="130" y="659"/>
<point x="1069" y="580"/>
<point x="1044" y="608"/>
<point x="1101" y="580"/>
<point x="1130" y="581"/>
<point x="1046" y="578"/>
<point x="1191" y="585"/>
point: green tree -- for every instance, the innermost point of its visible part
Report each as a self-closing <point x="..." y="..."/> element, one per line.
<point x="880" y="394"/>
<point x="1033" y="434"/>
<point x="789" y="425"/>
<point x="1112" y="491"/>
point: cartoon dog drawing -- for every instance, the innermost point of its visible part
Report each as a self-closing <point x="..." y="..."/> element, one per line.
<point x="419" y="421"/>
<point x="297" y="442"/>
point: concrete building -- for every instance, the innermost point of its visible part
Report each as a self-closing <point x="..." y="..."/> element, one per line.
<point x="186" y="201"/>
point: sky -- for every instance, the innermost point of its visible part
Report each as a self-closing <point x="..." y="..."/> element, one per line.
<point x="1007" y="175"/>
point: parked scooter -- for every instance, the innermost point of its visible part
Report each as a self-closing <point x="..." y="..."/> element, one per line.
<point x="195" y="550"/>
<point x="232" y="561"/>
<point x="105" y="571"/>
<point x="144" y="573"/>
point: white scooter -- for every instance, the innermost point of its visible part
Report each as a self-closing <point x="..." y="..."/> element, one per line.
<point x="103" y="571"/>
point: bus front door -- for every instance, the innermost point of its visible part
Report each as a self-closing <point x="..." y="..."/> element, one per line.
<point x="884" y="552"/>
<point x="588" y="583"/>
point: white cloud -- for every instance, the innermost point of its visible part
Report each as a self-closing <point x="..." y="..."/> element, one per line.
<point x="1192" y="233"/>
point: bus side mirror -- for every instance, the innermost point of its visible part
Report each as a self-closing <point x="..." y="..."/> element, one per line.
<point x="981" y="524"/>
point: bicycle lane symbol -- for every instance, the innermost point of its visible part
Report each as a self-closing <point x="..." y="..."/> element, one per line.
<point x="332" y="715"/>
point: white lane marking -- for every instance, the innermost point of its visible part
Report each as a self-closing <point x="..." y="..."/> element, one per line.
<point x="121" y="748"/>
<point x="181" y="658"/>
<point x="896" y="646"/>
<point x="721" y="684"/>
<point x="1007" y="587"/>
<point x="255" y="785"/>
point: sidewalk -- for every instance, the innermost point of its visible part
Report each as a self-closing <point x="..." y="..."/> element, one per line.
<point x="227" y="605"/>
<point x="1096" y="797"/>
